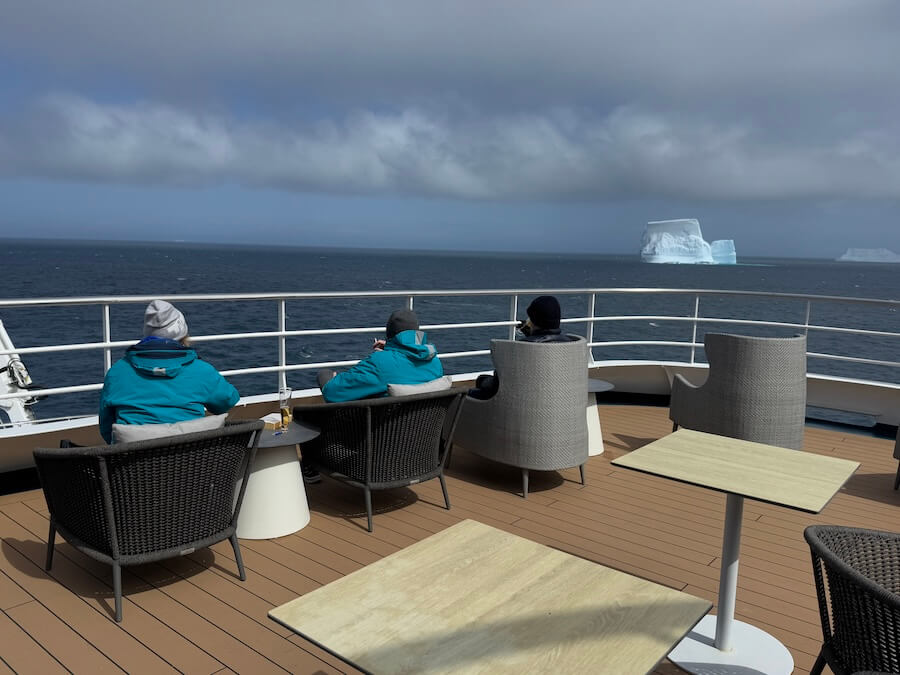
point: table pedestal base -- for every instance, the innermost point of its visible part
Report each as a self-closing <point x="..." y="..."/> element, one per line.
<point x="595" y="434"/>
<point x="753" y="651"/>
<point x="275" y="500"/>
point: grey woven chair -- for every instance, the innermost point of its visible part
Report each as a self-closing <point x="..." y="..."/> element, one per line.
<point x="536" y="419"/>
<point x="857" y="575"/>
<point x="134" y="503"/>
<point x="383" y="443"/>
<point x="755" y="391"/>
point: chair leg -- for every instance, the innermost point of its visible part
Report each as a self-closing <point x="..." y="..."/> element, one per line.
<point x="444" y="490"/>
<point x="525" y="483"/>
<point x="369" y="507"/>
<point x="581" y="469"/>
<point x="117" y="589"/>
<point x="237" y="557"/>
<point x="896" y="480"/>
<point x="819" y="665"/>
<point x="51" y="544"/>
<point x="674" y="426"/>
<point x="448" y="458"/>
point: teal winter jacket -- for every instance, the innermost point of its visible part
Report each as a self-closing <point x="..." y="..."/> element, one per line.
<point x="406" y="359"/>
<point x="159" y="381"/>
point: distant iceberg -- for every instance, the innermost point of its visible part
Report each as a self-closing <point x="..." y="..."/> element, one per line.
<point x="681" y="241"/>
<point x="881" y="255"/>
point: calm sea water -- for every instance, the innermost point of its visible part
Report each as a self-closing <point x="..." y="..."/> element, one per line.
<point x="44" y="269"/>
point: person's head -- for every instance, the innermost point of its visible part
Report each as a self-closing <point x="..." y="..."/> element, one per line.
<point x="401" y="320"/>
<point x="161" y="319"/>
<point x="543" y="314"/>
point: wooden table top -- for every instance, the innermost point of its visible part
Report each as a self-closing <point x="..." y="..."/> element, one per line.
<point x="792" y="478"/>
<point x="474" y="599"/>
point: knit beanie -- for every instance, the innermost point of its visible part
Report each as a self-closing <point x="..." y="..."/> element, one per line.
<point x="161" y="319"/>
<point x="544" y="312"/>
<point x="401" y="320"/>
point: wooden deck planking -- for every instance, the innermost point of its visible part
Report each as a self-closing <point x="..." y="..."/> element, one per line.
<point x="194" y="615"/>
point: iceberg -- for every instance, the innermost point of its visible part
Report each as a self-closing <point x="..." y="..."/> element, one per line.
<point x="675" y="241"/>
<point x="881" y="255"/>
<point x="723" y="252"/>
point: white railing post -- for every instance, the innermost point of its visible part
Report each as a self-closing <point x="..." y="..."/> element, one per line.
<point x="107" y="352"/>
<point x="513" y="311"/>
<point x="409" y="302"/>
<point x="592" y="300"/>
<point x="806" y="320"/>
<point x="282" y="346"/>
<point x="694" y="334"/>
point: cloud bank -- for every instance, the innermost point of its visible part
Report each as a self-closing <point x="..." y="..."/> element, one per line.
<point x="560" y="153"/>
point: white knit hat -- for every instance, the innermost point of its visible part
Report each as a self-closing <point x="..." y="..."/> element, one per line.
<point x="163" y="320"/>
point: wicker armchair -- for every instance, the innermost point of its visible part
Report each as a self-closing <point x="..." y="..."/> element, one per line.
<point x="857" y="575"/>
<point x="383" y="443"/>
<point x="536" y="419"/>
<point x="755" y="391"/>
<point x="133" y="503"/>
<point x="897" y="456"/>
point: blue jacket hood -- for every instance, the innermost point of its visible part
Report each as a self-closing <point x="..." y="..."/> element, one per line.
<point x="159" y="357"/>
<point x="413" y="344"/>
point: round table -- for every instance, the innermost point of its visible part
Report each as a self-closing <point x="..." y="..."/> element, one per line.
<point x="275" y="500"/>
<point x="595" y="433"/>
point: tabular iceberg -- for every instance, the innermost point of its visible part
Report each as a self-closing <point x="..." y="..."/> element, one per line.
<point x="870" y="255"/>
<point x="681" y="241"/>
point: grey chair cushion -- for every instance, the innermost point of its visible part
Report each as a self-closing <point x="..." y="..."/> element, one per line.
<point x="126" y="433"/>
<point x="437" y="384"/>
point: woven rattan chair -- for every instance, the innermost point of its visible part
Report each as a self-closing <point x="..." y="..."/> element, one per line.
<point x="755" y="391"/>
<point x="536" y="419"/>
<point x="857" y="575"/>
<point x="383" y="443"/>
<point x="133" y="503"/>
<point x="897" y="456"/>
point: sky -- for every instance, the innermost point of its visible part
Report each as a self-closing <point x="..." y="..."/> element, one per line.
<point x="526" y="125"/>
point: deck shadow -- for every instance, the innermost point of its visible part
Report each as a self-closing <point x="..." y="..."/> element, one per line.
<point x="336" y="499"/>
<point x="626" y="442"/>
<point x="483" y="472"/>
<point x="876" y="487"/>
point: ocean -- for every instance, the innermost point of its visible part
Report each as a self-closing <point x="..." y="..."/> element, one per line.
<point x="41" y="269"/>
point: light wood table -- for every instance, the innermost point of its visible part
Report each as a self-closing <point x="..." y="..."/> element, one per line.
<point x="790" y="478"/>
<point x="474" y="599"/>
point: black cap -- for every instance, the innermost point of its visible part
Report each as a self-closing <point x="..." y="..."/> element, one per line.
<point x="401" y="320"/>
<point x="544" y="312"/>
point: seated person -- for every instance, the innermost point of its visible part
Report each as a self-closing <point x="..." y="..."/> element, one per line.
<point x="161" y="379"/>
<point x="403" y="358"/>
<point x="542" y="325"/>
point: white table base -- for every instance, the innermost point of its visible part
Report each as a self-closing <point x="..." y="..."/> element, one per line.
<point x="595" y="434"/>
<point x="753" y="651"/>
<point x="275" y="500"/>
<point x="721" y="645"/>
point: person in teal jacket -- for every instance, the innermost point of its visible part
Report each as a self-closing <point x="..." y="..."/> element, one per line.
<point x="161" y="379"/>
<point x="404" y="358"/>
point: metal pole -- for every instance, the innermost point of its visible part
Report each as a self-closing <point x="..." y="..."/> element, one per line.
<point x="282" y="346"/>
<point x="409" y="302"/>
<point x="728" y="575"/>
<point x="592" y="300"/>
<point x="513" y="311"/>
<point x="806" y="320"/>
<point x="694" y="334"/>
<point x="107" y="352"/>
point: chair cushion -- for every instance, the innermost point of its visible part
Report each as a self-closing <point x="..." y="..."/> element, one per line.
<point x="437" y="384"/>
<point x="127" y="433"/>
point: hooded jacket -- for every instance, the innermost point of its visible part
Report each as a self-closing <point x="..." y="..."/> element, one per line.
<point x="406" y="359"/>
<point x="159" y="381"/>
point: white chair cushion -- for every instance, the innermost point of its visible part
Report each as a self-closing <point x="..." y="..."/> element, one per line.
<point x="127" y="433"/>
<point x="437" y="384"/>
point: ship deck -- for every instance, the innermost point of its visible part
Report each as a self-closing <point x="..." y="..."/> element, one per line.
<point x="193" y="614"/>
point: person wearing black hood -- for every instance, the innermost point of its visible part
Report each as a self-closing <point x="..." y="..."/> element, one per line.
<point x="542" y="325"/>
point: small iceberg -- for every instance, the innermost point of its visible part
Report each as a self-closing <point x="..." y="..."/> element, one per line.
<point x="879" y="255"/>
<point x="681" y="242"/>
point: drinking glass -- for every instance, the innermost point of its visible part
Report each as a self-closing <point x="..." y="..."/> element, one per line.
<point x="284" y="403"/>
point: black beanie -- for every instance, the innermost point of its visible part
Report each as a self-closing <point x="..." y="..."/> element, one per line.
<point x="401" y="320"/>
<point x="544" y="312"/>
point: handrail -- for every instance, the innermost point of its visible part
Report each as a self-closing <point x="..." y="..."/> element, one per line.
<point x="283" y="367"/>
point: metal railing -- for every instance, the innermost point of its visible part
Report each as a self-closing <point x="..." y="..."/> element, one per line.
<point x="696" y="319"/>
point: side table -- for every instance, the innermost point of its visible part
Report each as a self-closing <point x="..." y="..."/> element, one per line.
<point x="595" y="433"/>
<point x="275" y="499"/>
